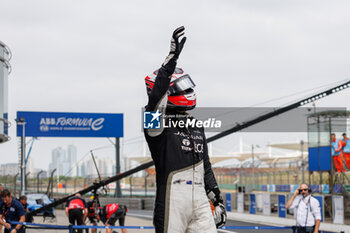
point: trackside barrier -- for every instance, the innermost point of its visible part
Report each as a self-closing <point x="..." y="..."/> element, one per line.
<point x="72" y="227"/>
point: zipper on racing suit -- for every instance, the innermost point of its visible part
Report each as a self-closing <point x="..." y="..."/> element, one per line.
<point x="193" y="165"/>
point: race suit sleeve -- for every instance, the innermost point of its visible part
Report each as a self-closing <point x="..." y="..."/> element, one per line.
<point x="158" y="98"/>
<point x="209" y="178"/>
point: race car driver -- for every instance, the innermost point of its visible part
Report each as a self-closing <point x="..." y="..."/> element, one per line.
<point x="185" y="180"/>
<point x="110" y="213"/>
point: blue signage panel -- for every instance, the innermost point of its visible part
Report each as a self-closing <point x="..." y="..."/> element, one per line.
<point x="320" y="200"/>
<point x="252" y="209"/>
<point x="282" y="206"/>
<point x="228" y="202"/>
<point x="320" y="158"/>
<point x="67" y="124"/>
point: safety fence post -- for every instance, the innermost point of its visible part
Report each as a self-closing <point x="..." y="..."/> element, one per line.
<point x="70" y="227"/>
<point x="294" y="228"/>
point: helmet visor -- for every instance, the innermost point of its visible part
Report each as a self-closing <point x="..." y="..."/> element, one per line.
<point x="181" y="84"/>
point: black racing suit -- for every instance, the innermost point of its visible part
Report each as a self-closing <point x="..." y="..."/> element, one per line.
<point x="183" y="172"/>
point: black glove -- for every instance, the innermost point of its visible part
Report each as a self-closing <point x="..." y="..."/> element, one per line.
<point x="176" y="47"/>
<point x="220" y="211"/>
<point x="215" y="196"/>
<point x="220" y="215"/>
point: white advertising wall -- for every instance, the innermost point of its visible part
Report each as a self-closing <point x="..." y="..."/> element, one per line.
<point x="240" y="202"/>
<point x="266" y="204"/>
<point x="338" y="209"/>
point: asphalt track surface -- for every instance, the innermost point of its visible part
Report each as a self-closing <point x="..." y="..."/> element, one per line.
<point x="147" y="215"/>
<point x="142" y="218"/>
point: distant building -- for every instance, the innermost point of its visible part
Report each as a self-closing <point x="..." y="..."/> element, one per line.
<point x="72" y="160"/>
<point x="10" y="169"/>
<point x="106" y="167"/>
<point x="30" y="168"/>
<point x="64" y="161"/>
<point x="58" y="157"/>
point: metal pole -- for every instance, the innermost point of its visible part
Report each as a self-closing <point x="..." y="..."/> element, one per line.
<point x="23" y="158"/>
<point x="253" y="167"/>
<point x="274" y="173"/>
<point x="331" y="172"/>
<point x="16" y="182"/>
<point x="302" y="162"/>
<point x="130" y="181"/>
<point x="38" y="180"/>
<point x="118" y="192"/>
<point x="26" y="187"/>
<point x="146" y="185"/>
<point x="240" y="174"/>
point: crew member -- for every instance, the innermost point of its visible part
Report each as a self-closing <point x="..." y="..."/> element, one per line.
<point x="110" y="213"/>
<point x="185" y="179"/>
<point x="23" y="201"/>
<point x="346" y="150"/>
<point x="76" y="210"/>
<point x="93" y="215"/>
<point x="337" y="154"/>
<point x="307" y="208"/>
<point x="11" y="210"/>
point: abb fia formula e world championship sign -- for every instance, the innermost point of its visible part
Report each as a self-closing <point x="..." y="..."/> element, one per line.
<point x="66" y="124"/>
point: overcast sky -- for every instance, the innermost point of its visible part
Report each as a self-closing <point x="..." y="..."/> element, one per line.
<point x="92" y="56"/>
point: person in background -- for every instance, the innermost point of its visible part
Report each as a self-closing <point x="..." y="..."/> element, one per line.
<point x="307" y="209"/>
<point x="337" y="154"/>
<point x="93" y="215"/>
<point x="346" y="150"/>
<point x="23" y="200"/>
<point x="76" y="211"/>
<point x="110" y="213"/>
<point x="11" y="210"/>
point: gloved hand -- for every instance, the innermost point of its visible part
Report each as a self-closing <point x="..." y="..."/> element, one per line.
<point x="220" y="215"/>
<point x="176" y="47"/>
<point x="220" y="211"/>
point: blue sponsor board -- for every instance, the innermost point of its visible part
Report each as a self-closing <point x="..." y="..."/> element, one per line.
<point x="282" y="206"/>
<point x="252" y="208"/>
<point x="325" y="188"/>
<point x="293" y="187"/>
<point x="282" y="188"/>
<point x="320" y="200"/>
<point x="320" y="158"/>
<point x="228" y="202"/>
<point x="316" y="188"/>
<point x="338" y="188"/>
<point x="66" y="124"/>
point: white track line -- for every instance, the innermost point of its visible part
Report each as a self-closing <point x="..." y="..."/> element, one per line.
<point x="220" y="230"/>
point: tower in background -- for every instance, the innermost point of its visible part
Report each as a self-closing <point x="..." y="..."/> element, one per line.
<point x="5" y="69"/>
